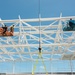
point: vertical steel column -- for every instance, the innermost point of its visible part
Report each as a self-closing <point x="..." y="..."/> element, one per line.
<point x="20" y="25"/>
<point x="71" y="66"/>
<point x="51" y="66"/>
<point x="13" y="67"/>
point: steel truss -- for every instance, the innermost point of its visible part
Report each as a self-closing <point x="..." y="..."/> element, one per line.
<point x="23" y="46"/>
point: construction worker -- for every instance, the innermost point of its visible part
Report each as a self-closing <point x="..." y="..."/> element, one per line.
<point x="4" y="29"/>
<point x="12" y="29"/>
<point x="71" y="23"/>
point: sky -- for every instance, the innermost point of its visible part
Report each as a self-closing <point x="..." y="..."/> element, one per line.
<point x="11" y="9"/>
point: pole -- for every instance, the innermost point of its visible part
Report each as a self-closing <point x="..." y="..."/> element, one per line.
<point x="13" y="67"/>
<point x="71" y="67"/>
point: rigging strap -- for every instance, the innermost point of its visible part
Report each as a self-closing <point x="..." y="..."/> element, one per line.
<point x="34" y="68"/>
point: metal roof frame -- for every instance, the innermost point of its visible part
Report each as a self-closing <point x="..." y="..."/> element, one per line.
<point x="23" y="46"/>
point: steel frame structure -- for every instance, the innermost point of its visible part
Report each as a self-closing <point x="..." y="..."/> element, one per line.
<point x="56" y="44"/>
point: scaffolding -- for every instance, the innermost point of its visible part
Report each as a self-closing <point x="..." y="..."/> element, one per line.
<point x="24" y="43"/>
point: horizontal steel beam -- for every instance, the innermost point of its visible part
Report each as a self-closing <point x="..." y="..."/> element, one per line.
<point x="43" y="32"/>
<point x="13" y="53"/>
<point x="37" y="45"/>
<point x="37" y="19"/>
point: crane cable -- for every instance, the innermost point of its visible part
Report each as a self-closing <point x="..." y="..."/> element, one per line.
<point x="40" y="52"/>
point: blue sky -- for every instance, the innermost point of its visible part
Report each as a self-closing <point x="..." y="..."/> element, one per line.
<point x="10" y="9"/>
